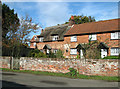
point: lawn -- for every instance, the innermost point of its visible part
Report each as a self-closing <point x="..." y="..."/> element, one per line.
<point x="80" y="76"/>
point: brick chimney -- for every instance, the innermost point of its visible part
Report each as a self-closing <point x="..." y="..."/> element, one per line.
<point x="71" y="21"/>
<point x="41" y="30"/>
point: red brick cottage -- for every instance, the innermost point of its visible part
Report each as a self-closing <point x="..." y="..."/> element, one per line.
<point x="68" y="37"/>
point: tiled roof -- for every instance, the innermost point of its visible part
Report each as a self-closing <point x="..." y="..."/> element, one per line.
<point x="94" y="27"/>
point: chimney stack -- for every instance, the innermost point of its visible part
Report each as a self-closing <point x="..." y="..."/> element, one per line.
<point x="41" y="30"/>
<point x="71" y="21"/>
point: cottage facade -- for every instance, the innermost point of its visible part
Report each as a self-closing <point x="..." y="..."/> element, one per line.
<point x="70" y="37"/>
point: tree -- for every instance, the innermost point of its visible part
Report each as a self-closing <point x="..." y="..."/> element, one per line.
<point x="82" y="19"/>
<point x="15" y="32"/>
<point x="10" y="24"/>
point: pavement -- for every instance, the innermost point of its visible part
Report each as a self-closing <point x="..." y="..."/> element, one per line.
<point x="12" y="79"/>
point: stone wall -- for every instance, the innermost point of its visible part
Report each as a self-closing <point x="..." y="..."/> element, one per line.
<point x="106" y="67"/>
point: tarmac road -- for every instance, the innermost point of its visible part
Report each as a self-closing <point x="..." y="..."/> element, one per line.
<point x="12" y="79"/>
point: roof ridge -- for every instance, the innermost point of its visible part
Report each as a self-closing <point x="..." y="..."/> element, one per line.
<point x="98" y="21"/>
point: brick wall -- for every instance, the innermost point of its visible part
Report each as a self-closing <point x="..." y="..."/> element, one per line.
<point x="107" y="67"/>
<point x="5" y="62"/>
<point x="67" y="44"/>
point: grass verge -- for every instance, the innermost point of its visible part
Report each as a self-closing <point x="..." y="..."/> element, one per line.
<point x="79" y="76"/>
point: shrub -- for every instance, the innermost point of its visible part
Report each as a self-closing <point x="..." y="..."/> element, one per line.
<point x="51" y="55"/>
<point x="36" y="53"/>
<point x="59" y="54"/>
<point x="73" y="72"/>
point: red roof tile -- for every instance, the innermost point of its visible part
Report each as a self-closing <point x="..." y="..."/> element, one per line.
<point x="94" y="27"/>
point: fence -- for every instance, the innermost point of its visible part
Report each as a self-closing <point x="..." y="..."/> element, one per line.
<point x="106" y="67"/>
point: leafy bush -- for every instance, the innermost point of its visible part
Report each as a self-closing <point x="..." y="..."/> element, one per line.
<point x="51" y="55"/>
<point x="112" y="57"/>
<point x="36" y="53"/>
<point x="73" y="72"/>
<point x="59" y="54"/>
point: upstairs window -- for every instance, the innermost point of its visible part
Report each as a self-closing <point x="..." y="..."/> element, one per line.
<point x="35" y="38"/>
<point x="93" y="37"/>
<point x="73" y="51"/>
<point x="73" y="38"/>
<point x="34" y="44"/>
<point x="41" y="39"/>
<point x="115" y="51"/>
<point x="55" y="38"/>
<point x="115" y="35"/>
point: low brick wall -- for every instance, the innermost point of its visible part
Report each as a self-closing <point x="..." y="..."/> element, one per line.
<point x="5" y="62"/>
<point x="106" y="67"/>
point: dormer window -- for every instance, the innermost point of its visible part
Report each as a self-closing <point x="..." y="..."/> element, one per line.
<point x="55" y="38"/>
<point x="35" y="38"/>
<point x="34" y="44"/>
<point x="41" y="39"/>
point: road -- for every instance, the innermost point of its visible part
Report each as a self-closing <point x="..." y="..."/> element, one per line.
<point x="12" y="79"/>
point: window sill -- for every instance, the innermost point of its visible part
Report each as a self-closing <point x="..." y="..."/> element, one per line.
<point x="73" y="41"/>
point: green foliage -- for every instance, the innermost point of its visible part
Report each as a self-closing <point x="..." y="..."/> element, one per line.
<point x="10" y="24"/>
<point x="112" y="57"/>
<point x="59" y="54"/>
<point x="82" y="19"/>
<point x="36" y="53"/>
<point x="78" y="57"/>
<point x="73" y="72"/>
<point x="10" y="20"/>
<point x="51" y="55"/>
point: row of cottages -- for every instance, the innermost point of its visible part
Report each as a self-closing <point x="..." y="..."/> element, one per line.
<point x="70" y="37"/>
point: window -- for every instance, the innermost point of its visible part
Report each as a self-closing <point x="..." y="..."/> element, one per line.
<point x="115" y="35"/>
<point x="55" y="51"/>
<point x="93" y="37"/>
<point x="115" y="51"/>
<point x="41" y="50"/>
<point x="73" y="51"/>
<point x="34" y="44"/>
<point x="55" y="38"/>
<point x="73" y="38"/>
<point x="48" y="51"/>
<point x="35" y="37"/>
<point x="41" y="39"/>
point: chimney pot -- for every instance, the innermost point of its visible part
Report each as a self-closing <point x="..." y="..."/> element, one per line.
<point x="72" y="17"/>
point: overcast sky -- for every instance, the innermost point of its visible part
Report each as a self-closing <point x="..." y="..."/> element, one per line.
<point x="53" y="13"/>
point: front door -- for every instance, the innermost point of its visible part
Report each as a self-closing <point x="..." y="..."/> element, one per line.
<point x="103" y="53"/>
<point x="81" y="53"/>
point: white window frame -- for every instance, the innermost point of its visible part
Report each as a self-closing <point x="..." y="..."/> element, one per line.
<point x="73" y="51"/>
<point x="73" y="38"/>
<point x="55" y="50"/>
<point x="93" y="37"/>
<point x="115" y="35"/>
<point x="115" y="51"/>
<point x="55" y="38"/>
<point x="35" y="37"/>
<point x="34" y="44"/>
<point x="48" y="51"/>
<point x="41" y="39"/>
